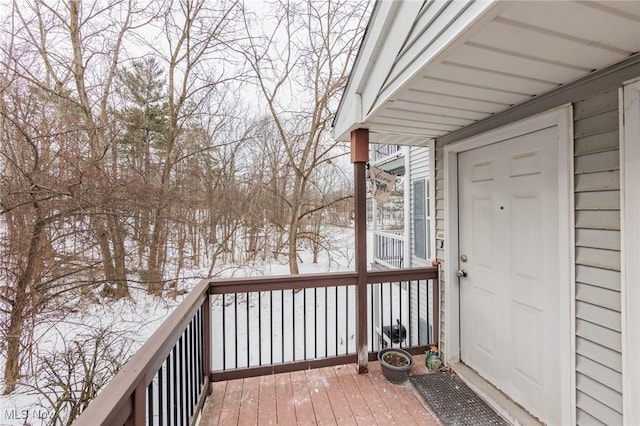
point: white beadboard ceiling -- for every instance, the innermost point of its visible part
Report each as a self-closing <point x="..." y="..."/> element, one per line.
<point x="521" y="49"/>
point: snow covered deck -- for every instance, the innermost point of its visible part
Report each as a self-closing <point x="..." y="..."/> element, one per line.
<point x="328" y="395"/>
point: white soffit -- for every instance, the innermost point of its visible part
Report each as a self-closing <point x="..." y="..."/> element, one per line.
<point x="525" y="49"/>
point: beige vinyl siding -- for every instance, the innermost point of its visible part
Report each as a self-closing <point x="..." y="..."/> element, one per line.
<point x="440" y="214"/>
<point x="419" y="166"/>
<point x="597" y="233"/>
<point x="597" y="251"/>
<point x="598" y="341"/>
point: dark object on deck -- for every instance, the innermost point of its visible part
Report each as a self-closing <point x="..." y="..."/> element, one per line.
<point x="453" y="401"/>
<point x="395" y="333"/>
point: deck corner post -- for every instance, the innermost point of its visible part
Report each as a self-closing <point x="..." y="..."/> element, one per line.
<point x="359" y="158"/>
<point x="206" y="330"/>
<point x="139" y="398"/>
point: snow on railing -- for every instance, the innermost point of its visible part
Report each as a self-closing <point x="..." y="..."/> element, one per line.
<point x="246" y="327"/>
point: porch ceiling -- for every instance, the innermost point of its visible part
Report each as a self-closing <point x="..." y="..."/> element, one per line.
<point x="516" y="51"/>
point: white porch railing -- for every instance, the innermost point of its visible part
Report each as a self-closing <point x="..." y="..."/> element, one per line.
<point x="388" y="248"/>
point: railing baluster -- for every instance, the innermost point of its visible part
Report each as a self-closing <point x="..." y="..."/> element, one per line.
<point x="235" y="327"/>
<point x="199" y="369"/>
<point x="175" y="385"/>
<point x="315" y="324"/>
<point x="304" y="323"/>
<point x="391" y="318"/>
<point x="192" y="368"/>
<point x="400" y="324"/>
<point x="169" y="391"/>
<point x="224" y="331"/>
<point x="382" y="314"/>
<point x="346" y="319"/>
<point x="271" y="325"/>
<point x="326" y="322"/>
<point x="282" y="323"/>
<point x="418" y="309"/>
<point x="259" y="328"/>
<point x="181" y="380"/>
<point x="371" y="317"/>
<point x="150" y="403"/>
<point x="335" y="309"/>
<point x="248" y="336"/>
<point x="206" y="339"/>
<point x="187" y="377"/>
<point x="161" y="405"/>
<point x="293" y="321"/>
<point x="429" y="330"/>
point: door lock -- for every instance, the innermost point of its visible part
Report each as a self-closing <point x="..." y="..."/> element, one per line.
<point x="461" y="273"/>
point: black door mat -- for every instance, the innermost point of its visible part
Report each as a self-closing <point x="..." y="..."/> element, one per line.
<point x="453" y="401"/>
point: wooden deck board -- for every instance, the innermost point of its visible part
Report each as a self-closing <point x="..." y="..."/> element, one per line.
<point x="230" y="410"/>
<point x="302" y="399"/>
<point x="267" y="413"/>
<point x="339" y="404"/>
<point x="285" y="408"/>
<point x="388" y="393"/>
<point x="352" y="394"/>
<point x="326" y="396"/>
<point x="377" y="407"/>
<point x="319" y="398"/>
<point x="249" y="402"/>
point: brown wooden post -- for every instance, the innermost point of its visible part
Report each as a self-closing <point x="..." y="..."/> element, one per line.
<point x="359" y="158"/>
<point x="435" y="296"/>
<point x="140" y="403"/>
<point x="206" y="331"/>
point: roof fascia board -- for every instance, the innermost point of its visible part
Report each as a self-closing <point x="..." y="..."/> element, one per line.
<point x="387" y="31"/>
<point x="476" y="16"/>
<point x="393" y="33"/>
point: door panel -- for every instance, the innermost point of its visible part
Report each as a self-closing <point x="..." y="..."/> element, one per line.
<point x="509" y="300"/>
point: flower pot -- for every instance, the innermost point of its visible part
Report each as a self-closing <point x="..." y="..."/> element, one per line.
<point x="396" y="364"/>
<point x="432" y="362"/>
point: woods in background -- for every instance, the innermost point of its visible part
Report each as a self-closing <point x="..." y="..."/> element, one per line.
<point x="141" y="138"/>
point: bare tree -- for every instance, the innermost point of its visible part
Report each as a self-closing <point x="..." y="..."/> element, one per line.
<point x="300" y="62"/>
<point x="194" y="31"/>
<point x="62" y="188"/>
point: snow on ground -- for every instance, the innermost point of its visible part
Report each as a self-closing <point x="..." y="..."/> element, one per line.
<point x="131" y="322"/>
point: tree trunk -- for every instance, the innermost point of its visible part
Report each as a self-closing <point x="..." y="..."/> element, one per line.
<point x="102" y="234"/>
<point x="154" y="273"/>
<point x="120" y="268"/>
<point x="20" y="304"/>
<point x="293" y="245"/>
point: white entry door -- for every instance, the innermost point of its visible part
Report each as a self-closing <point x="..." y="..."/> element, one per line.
<point x="508" y="246"/>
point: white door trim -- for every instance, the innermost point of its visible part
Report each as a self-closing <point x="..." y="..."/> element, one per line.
<point x="562" y="118"/>
<point x="630" y="235"/>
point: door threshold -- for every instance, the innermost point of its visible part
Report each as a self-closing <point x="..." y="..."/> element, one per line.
<point x="501" y="403"/>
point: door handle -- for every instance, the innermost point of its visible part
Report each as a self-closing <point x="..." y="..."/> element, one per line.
<point x="461" y="273"/>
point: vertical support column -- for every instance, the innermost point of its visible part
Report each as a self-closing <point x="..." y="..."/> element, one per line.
<point x="406" y="234"/>
<point x="359" y="158"/>
<point x="435" y="296"/>
<point x="206" y="330"/>
<point x="140" y="404"/>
